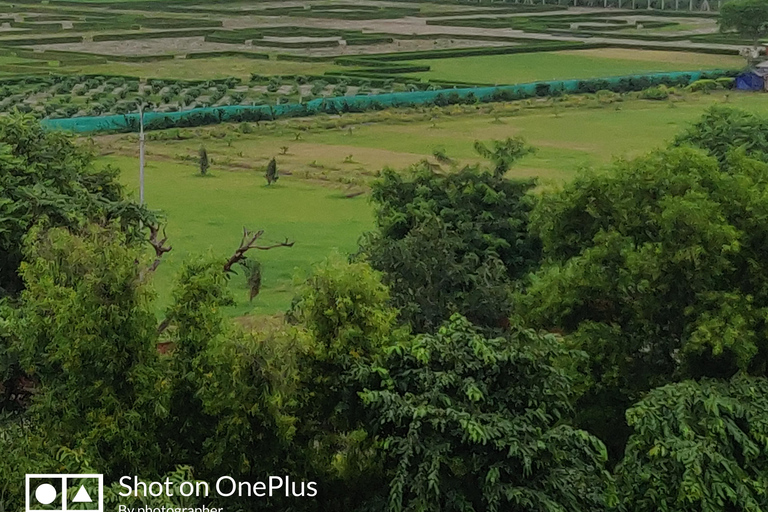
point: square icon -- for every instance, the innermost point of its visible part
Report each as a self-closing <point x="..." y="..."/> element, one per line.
<point x="60" y="493"/>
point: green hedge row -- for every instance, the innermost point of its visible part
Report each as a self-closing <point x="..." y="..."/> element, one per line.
<point x="520" y="8"/>
<point x="718" y="38"/>
<point x="37" y="27"/>
<point x="228" y="53"/>
<point x="296" y="45"/>
<point x="153" y="35"/>
<point x="19" y="69"/>
<point x="54" y="17"/>
<point x="239" y="36"/>
<point x="385" y="70"/>
<point x="97" y="26"/>
<point x="178" y="23"/>
<point x="370" y="40"/>
<point x="31" y="41"/>
<point x="658" y="24"/>
<point x="347" y="12"/>
<point x="304" y="58"/>
<point x="638" y="37"/>
<point x="544" y="46"/>
<point x="62" y="57"/>
<point x="138" y="58"/>
<point x="674" y="48"/>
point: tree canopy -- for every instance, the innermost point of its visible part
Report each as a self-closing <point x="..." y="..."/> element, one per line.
<point x="655" y="269"/>
<point x="473" y="423"/>
<point x="45" y="176"/>
<point x="451" y="243"/>
<point x="747" y="17"/>
<point x="600" y="346"/>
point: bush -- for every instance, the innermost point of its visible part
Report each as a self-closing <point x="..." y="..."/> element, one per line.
<point x="704" y="85"/>
<point x="660" y="92"/>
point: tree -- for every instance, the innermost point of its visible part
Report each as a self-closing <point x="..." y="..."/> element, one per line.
<point x="698" y="446"/>
<point x="451" y="243"/>
<point x="228" y="388"/>
<point x="347" y="324"/>
<point x="721" y="130"/>
<point x="43" y="174"/>
<point x="45" y="178"/>
<point x="476" y="423"/>
<point x="84" y="333"/>
<point x="655" y="269"/>
<point x="502" y="154"/>
<point x="272" y="175"/>
<point x="747" y="17"/>
<point x="203" y="161"/>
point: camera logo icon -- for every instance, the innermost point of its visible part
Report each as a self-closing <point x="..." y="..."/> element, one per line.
<point x="61" y="493"/>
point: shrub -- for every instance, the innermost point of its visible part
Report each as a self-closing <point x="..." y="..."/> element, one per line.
<point x="659" y="92"/>
<point x="703" y="85"/>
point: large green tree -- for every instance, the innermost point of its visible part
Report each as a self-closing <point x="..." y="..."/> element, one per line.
<point x="85" y="334"/>
<point x="347" y="323"/>
<point x="46" y="177"/>
<point x="656" y="270"/>
<point x="747" y="17"/>
<point x="698" y="446"/>
<point x="472" y="423"/>
<point x="44" y="174"/>
<point x="722" y="130"/>
<point x="451" y="243"/>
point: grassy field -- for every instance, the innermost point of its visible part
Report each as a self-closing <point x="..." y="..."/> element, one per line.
<point x="308" y="205"/>
<point x="207" y="214"/>
<point x="530" y="67"/>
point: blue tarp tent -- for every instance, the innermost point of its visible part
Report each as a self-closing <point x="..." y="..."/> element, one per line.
<point x="750" y="81"/>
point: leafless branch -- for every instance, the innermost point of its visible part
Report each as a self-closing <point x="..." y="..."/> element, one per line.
<point x="159" y="245"/>
<point x="247" y="243"/>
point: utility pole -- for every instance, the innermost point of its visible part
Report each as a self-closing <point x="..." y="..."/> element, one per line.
<point x="141" y="154"/>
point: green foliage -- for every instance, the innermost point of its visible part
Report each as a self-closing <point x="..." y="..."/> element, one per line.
<point x="503" y="154"/>
<point x="85" y="333"/>
<point x="43" y="174"/>
<point x="271" y="173"/>
<point x="721" y="130"/>
<point x="203" y="162"/>
<point x="704" y="85"/>
<point x="452" y="243"/>
<point x="747" y="17"/>
<point x="698" y="446"/>
<point x="471" y="423"/>
<point x="229" y="389"/>
<point x="343" y="309"/>
<point x="655" y="270"/>
<point x="660" y="92"/>
<point x="252" y="269"/>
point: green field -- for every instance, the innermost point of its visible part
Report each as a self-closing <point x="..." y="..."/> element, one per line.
<point x="308" y="205"/>
<point x="531" y="67"/>
<point x="209" y="213"/>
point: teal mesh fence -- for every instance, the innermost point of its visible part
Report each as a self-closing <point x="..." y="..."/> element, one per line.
<point x="240" y="113"/>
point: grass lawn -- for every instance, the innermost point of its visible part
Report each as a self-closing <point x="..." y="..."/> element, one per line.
<point x="531" y="67"/>
<point x="196" y="69"/>
<point x="207" y="214"/>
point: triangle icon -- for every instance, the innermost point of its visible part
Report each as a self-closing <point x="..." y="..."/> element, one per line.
<point x="82" y="496"/>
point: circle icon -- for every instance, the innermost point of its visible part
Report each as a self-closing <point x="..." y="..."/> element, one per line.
<point x="45" y="494"/>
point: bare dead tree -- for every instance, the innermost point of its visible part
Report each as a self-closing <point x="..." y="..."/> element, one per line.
<point x="247" y="243"/>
